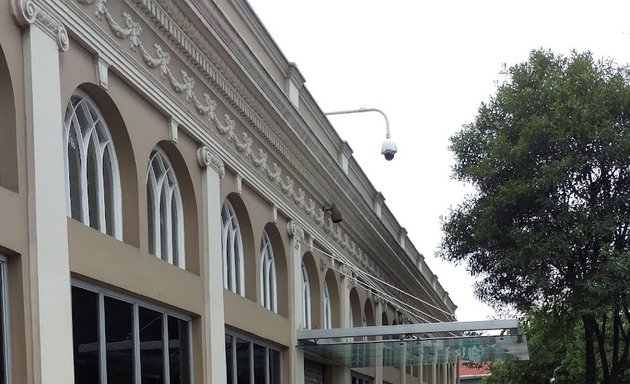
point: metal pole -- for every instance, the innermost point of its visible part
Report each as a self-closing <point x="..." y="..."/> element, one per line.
<point x="387" y="135"/>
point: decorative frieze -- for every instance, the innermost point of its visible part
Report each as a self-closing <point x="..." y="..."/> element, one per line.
<point x="162" y="13"/>
<point x="27" y="12"/>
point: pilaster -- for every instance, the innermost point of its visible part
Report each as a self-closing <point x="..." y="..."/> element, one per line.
<point x="296" y="355"/>
<point x="214" y="325"/>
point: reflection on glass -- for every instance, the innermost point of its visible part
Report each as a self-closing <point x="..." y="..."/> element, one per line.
<point x="228" y="359"/>
<point x="260" y="364"/>
<point x="274" y="367"/>
<point x="151" y="346"/>
<point x="178" y="348"/>
<point x="85" y="336"/>
<point x="243" y="360"/>
<point x="119" y="341"/>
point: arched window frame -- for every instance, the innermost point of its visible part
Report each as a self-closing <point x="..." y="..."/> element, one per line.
<point x="306" y="299"/>
<point x="165" y="210"/>
<point x="268" y="281"/>
<point x="86" y="136"/>
<point x="232" y="251"/>
<point x="327" y="308"/>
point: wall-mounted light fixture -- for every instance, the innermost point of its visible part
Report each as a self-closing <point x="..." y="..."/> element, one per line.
<point x="332" y="211"/>
<point x="388" y="149"/>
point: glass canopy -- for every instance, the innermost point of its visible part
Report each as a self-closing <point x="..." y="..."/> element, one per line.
<point x="414" y="351"/>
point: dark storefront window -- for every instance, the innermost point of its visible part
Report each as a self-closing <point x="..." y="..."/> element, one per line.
<point x="248" y="359"/>
<point x="123" y="341"/>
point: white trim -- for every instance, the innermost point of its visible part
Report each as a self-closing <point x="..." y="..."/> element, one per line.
<point x="407" y="329"/>
<point x="268" y="281"/>
<point x="232" y="251"/>
<point x="163" y="191"/>
<point x="306" y="299"/>
<point x="327" y="308"/>
<point x="95" y="137"/>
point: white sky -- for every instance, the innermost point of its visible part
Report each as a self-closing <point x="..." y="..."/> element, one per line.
<point x="428" y="65"/>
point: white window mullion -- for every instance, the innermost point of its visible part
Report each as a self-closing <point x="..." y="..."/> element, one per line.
<point x="166" y="345"/>
<point x="137" y="368"/>
<point x="102" y="341"/>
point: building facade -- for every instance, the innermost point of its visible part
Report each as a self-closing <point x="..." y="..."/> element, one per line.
<point x="164" y="175"/>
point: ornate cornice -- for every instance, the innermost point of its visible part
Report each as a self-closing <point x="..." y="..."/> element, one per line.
<point x="27" y="12"/>
<point x="207" y="158"/>
<point x="176" y="29"/>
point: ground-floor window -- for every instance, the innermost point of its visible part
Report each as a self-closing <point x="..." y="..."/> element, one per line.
<point x="121" y="340"/>
<point x="249" y="361"/>
<point x="5" y="376"/>
<point x="360" y="380"/>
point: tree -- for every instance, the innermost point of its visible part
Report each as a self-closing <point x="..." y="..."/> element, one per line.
<point x="548" y="224"/>
<point x="549" y="350"/>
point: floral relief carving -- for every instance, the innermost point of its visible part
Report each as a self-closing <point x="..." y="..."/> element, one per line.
<point x="131" y="30"/>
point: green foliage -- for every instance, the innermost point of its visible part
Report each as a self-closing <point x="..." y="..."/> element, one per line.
<point x="554" y="343"/>
<point x="549" y="223"/>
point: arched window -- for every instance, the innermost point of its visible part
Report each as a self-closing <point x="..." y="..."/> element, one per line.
<point x="327" y="311"/>
<point x="306" y="299"/>
<point x="93" y="184"/>
<point x="164" y="210"/>
<point x="232" y="249"/>
<point x="268" y="285"/>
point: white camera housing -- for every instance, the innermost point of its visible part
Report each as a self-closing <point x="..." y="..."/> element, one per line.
<point x="388" y="149"/>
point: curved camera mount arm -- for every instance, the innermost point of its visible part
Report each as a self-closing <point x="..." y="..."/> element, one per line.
<point x="387" y="135"/>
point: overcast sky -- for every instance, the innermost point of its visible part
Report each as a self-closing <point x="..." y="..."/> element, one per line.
<point x="428" y="65"/>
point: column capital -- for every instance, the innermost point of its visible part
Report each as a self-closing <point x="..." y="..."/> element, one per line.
<point x="28" y="12"/>
<point x="295" y="230"/>
<point x="207" y="158"/>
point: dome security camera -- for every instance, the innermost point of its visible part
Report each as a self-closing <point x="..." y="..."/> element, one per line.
<point x="388" y="149"/>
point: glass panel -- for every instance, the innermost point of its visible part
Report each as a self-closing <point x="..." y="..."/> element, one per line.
<point x="150" y="218"/>
<point x="85" y="336"/>
<point x="243" y="361"/>
<point x="164" y="230"/>
<point x="175" y="228"/>
<point x="92" y="181"/>
<point x="119" y="338"/>
<point x="228" y="359"/>
<point x="74" y="174"/>
<point x="151" y="346"/>
<point x="178" y="350"/>
<point x="260" y="364"/>
<point x="108" y="191"/>
<point x="274" y="367"/>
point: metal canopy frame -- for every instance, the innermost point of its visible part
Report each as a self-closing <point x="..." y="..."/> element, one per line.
<point x="416" y="344"/>
<point x="405" y="330"/>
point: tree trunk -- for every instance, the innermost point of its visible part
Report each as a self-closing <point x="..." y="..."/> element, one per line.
<point x="589" y="339"/>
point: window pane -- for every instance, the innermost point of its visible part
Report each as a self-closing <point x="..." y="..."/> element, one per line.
<point x="108" y="191"/>
<point x="175" y="228"/>
<point x="274" y="367"/>
<point x="243" y="360"/>
<point x="164" y="230"/>
<point x="178" y="350"/>
<point x="92" y="181"/>
<point x="119" y="338"/>
<point x="151" y="346"/>
<point x="151" y="218"/>
<point x="228" y="359"/>
<point x="85" y="336"/>
<point x="260" y="364"/>
<point x="74" y="172"/>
